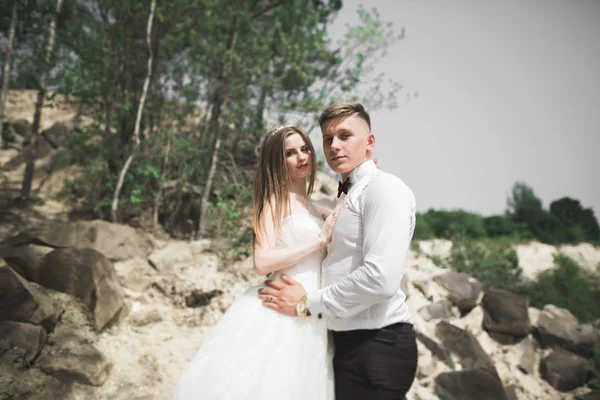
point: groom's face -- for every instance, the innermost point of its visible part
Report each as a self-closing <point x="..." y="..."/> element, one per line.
<point x="347" y="143"/>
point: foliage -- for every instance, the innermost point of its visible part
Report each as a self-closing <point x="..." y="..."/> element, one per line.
<point x="228" y="67"/>
<point x="525" y="219"/>
<point x="227" y="215"/>
<point x="449" y="224"/>
<point x="578" y="224"/>
<point x="568" y="286"/>
<point x="493" y="261"/>
<point x="593" y="366"/>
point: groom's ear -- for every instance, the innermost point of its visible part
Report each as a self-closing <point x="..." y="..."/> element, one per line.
<point x="370" y="141"/>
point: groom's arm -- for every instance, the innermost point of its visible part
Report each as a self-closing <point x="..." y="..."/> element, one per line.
<point x="388" y="218"/>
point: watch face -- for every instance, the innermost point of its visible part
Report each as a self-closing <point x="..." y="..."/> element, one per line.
<point x="301" y="307"/>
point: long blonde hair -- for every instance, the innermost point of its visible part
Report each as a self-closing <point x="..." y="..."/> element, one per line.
<point x="272" y="181"/>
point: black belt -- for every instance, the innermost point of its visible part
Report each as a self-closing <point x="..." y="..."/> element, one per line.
<point x="387" y="334"/>
<point x="400" y="327"/>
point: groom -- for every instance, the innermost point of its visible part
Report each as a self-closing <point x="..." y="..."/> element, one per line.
<point x="375" y="347"/>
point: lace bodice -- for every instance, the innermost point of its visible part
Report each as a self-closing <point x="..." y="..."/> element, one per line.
<point x="299" y="228"/>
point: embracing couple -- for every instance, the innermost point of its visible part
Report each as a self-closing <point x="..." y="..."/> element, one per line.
<point x="331" y="321"/>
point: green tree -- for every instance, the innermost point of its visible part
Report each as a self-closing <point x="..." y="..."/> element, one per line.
<point x="589" y="225"/>
<point x="524" y="207"/>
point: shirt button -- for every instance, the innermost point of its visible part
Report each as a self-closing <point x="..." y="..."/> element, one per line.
<point x="320" y="315"/>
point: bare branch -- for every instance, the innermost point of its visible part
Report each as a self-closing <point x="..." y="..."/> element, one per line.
<point x="269" y="7"/>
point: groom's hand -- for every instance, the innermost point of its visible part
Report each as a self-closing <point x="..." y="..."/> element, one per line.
<point x="282" y="296"/>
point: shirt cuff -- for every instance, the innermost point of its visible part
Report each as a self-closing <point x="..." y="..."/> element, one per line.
<point x="314" y="302"/>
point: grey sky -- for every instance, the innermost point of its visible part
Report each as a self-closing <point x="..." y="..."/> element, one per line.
<point x="508" y="90"/>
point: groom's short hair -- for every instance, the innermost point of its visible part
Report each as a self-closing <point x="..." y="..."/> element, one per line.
<point x="340" y="111"/>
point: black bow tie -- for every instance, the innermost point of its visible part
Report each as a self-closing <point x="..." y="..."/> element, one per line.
<point x="343" y="187"/>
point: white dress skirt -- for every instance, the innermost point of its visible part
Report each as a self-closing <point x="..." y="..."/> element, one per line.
<point x="256" y="353"/>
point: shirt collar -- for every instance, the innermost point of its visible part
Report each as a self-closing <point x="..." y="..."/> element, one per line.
<point x="362" y="170"/>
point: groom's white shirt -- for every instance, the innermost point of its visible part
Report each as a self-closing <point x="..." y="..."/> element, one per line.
<point x="365" y="259"/>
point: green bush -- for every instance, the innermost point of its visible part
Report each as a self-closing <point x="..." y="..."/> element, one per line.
<point x="450" y="224"/>
<point x="423" y="230"/>
<point x="568" y="286"/>
<point x="593" y="366"/>
<point x="504" y="226"/>
<point x="493" y="261"/>
<point x="228" y="219"/>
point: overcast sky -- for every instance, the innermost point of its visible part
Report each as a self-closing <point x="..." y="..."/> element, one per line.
<point x="508" y="90"/>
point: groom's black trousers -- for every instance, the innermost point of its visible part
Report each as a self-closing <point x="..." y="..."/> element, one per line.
<point x="375" y="364"/>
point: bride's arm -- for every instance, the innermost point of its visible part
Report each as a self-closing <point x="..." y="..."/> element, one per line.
<point x="268" y="258"/>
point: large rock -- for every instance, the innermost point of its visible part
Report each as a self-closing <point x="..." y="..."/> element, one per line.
<point x="20" y="301"/>
<point x="557" y="327"/>
<point x="87" y="275"/>
<point x="56" y="135"/>
<point x="505" y="313"/>
<point x="563" y="370"/>
<point x="135" y="274"/>
<point x="76" y="360"/>
<point x="527" y="356"/>
<point x="464" y="345"/>
<point x="116" y="241"/>
<point x="439" y="310"/>
<point x="438" y="351"/>
<point x="23" y="253"/>
<point x="25" y="339"/>
<point x="173" y="254"/>
<point x="469" y="384"/>
<point x="463" y="290"/>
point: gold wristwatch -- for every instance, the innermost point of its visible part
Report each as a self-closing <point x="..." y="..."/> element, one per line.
<point x="301" y="307"/>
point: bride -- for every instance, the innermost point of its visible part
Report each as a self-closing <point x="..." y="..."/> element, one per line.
<point x="255" y="352"/>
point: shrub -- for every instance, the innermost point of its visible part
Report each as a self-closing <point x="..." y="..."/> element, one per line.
<point x="449" y="224"/>
<point x="568" y="286"/>
<point x="493" y="261"/>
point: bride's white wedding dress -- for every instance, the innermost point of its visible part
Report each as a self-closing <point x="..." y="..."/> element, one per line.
<point x="255" y="352"/>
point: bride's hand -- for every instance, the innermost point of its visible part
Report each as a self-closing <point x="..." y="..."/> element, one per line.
<point x="327" y="229"/>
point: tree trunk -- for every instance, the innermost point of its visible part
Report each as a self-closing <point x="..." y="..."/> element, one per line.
<point x="219" y="100"/>
<point x="136" y="130"/>
<point x="7" y="61"/>
<point x="37" y="115"/>
<point x="178" y="202"/>
<point x="208" y="186"/>
<point x="218" y="104"/>
<point x="158" y="197"/>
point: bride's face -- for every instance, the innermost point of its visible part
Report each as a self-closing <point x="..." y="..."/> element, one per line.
<point x="298" y="157"/>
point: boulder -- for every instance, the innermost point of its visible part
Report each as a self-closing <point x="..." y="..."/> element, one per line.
<point x="135" y="274"/>
<point x="464" y="345"/>
<point x="527" y="356"/>
<point x="23" y="253"/>
<point x="469" y="384"/>
<point x="439" y="310"/>
<point x="26" y="339"/>
<point x="563" y="370"/>
<point x="56" y="135"/>
<point x="172" y="254"/>
<point x="116" y="241"/>
<point x="463" y="291"/>
<point x="75" y="360"/>
<point x="557" y="327"/>
<point x="438" y="351"/>
<point x="87" y="275"/>
<point x="20" y="301"/>
<point x="505" y="313"/>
